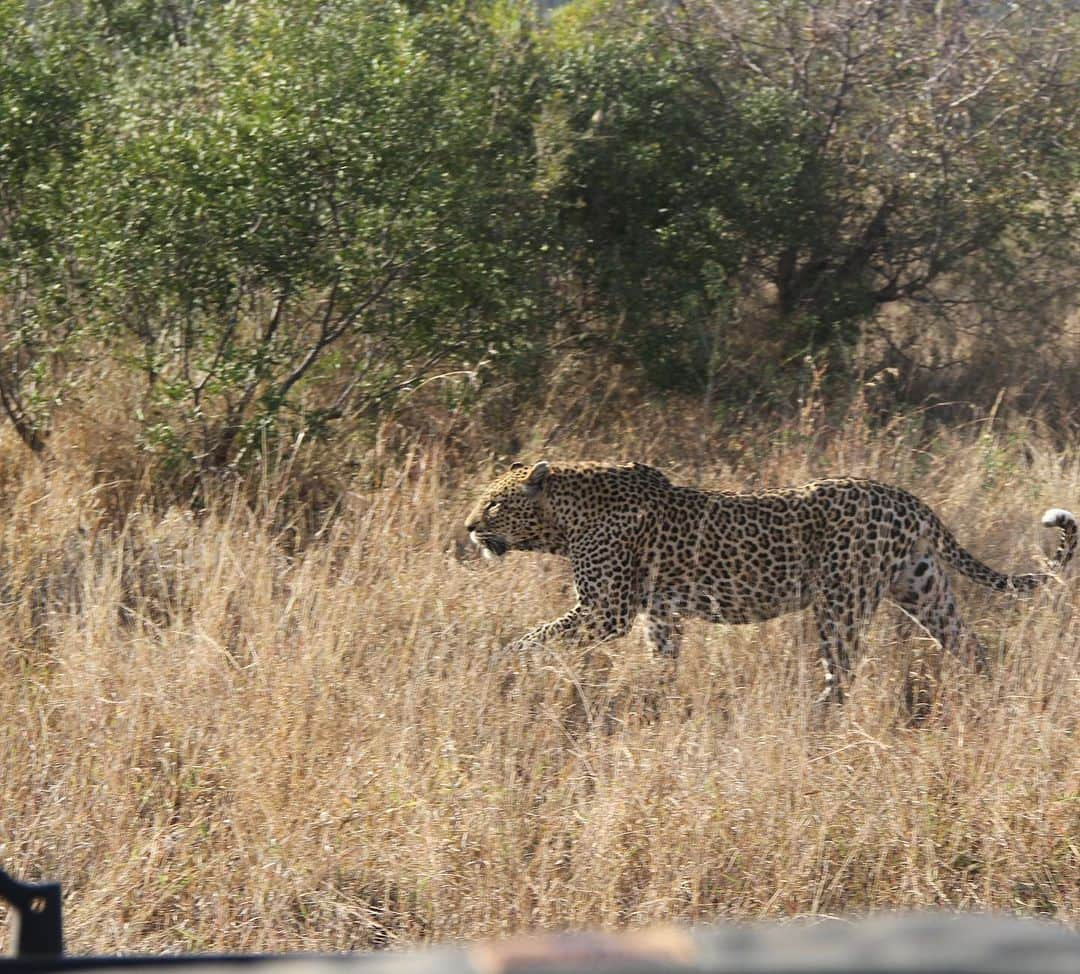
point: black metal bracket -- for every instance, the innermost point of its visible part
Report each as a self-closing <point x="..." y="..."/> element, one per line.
<point x="38" y="926"/>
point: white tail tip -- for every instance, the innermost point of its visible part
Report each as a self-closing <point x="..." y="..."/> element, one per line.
<point x="1057" y="518"/>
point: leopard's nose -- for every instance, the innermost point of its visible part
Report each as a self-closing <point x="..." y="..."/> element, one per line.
<point x="472" y="525"/>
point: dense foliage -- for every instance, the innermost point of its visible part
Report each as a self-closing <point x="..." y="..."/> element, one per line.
<point x="329" y="195"/>
<point x="276" y="217"/>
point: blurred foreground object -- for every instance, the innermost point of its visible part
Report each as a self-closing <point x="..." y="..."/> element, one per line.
<point x="917" y="943"/>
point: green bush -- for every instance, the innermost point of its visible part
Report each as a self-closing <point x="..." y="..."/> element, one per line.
<point x="279" y="216"/>
<point x="308" y="178"/>
<point x="781" y="171"/>
<point x="50" y="72"/>
<point x="667" y="196"/>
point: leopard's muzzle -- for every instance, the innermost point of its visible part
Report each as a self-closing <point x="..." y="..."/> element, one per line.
<point x="490" y="544"/>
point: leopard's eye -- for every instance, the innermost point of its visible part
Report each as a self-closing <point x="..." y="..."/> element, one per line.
<point x="494" y="508"/>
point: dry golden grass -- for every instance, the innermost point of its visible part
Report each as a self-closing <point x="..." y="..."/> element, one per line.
<point x="219" y="739"/>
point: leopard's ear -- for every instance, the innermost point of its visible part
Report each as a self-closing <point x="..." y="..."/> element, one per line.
<point x="535" y="481"/>
<point x="517" y="465"/>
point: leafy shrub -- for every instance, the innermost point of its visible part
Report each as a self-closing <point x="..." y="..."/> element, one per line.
<point x="308" y="209"/>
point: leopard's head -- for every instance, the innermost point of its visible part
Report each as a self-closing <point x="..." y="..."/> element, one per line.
<point x="511" y="513"/>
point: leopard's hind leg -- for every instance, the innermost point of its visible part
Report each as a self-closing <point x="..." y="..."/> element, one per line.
<point x="663" y="630"/>
<point x="838" y="643"/>
<point x="922" y="589"/>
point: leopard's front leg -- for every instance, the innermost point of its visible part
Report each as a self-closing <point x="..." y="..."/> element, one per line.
<point x="570" y="624"/>
<point x="581" y="625"/>
<point x="608" y="596"/>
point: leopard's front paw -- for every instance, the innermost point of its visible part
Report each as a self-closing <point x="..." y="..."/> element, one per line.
<point x="523" y="650"/>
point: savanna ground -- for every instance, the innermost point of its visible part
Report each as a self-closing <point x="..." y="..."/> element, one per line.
<point x="246" y="727"/>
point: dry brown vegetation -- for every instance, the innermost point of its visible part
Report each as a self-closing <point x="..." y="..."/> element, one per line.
<point x="223" y="731"/>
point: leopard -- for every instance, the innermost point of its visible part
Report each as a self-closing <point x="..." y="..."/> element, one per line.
<point x="641" y="545"/>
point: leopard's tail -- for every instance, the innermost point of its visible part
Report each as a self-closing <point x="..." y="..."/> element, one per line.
<point x="968" y="564"/>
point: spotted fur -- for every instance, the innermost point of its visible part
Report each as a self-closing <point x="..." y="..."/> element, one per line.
<point x="640" y="544"/>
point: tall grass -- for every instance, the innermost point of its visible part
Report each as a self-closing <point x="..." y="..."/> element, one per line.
<point x="220" y="737"/>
